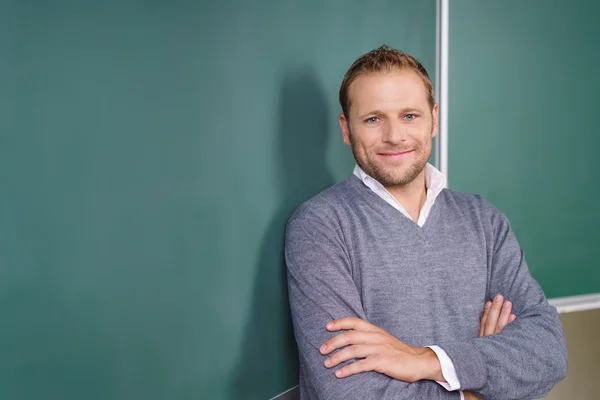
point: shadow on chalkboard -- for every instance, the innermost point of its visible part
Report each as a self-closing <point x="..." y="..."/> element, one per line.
<point x="268" y="364"/>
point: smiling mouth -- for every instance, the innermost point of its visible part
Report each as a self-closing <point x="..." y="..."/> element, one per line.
<point x="397" y="154"/>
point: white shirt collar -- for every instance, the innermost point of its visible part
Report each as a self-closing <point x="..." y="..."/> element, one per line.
<point x="435" y="182"/>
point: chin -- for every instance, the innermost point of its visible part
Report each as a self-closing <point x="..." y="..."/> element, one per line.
<point x="399" y="176"/>
<point x="390" y="178"/>
<point x="396" y="181"/>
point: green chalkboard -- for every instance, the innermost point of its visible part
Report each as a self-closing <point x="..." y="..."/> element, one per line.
<point x="523" y="129"/>
<point x="150" y="154"/>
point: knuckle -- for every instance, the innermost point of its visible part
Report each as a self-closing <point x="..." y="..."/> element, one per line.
<point x="345" y="337"/>
<point x="350" y="337"/>
<point x="357" y="367"/>
<point x="331" y="362"/>
<point x="336" y="340"/>
<point x="331" y="343"/>
<point x="346" y="353"/>
<point x="364" y="365"/>
<point x="345" y="371"/>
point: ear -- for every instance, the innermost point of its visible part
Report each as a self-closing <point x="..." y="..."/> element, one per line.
<point x="344" y="126"/>
<point x="436" y="119"/>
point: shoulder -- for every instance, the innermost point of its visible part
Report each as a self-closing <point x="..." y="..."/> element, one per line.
<point x="326" y="207"/>
<point x="473" y="206"/>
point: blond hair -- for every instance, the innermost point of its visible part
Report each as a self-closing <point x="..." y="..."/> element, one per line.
<point x="383" y="59"/>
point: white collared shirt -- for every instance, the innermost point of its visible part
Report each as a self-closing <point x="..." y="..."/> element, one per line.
<point x="435" y="182"/>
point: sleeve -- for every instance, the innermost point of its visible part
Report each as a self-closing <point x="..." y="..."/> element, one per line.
<point x="529" y="356"/>
<point x="321" y="289"/>
<point x="448" y="370"/>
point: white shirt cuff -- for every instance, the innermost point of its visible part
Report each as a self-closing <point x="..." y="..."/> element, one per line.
<point x="448" y="370"/>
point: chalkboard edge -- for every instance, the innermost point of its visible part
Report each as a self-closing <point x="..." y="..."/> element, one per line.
<point x="290" y="394"/>
<point x="570" y="304"/>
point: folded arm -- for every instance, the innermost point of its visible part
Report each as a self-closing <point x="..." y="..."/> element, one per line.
<point x="529" y="356"/>
<point x="321" y="290"/>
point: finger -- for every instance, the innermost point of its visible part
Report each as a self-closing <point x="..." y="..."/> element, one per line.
<point x="486" y="311"/>
<point x="470" y="396"/>
<point x="349" y="353"/>
<point x="492" y="319"/>
<point x="504" y="315"/>
<point x="355" y="368"/>
<point x="512" y="318"/>
<point x="349" y="338"/>
<point x="351" y="323"/>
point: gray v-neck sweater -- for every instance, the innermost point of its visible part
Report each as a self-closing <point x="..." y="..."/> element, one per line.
<point x="349" y="253"/>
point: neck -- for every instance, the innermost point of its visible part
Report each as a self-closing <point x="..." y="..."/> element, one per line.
<point x="411" y="196"/>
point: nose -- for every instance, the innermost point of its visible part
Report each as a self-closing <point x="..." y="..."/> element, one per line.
<point x="394" y="133"/>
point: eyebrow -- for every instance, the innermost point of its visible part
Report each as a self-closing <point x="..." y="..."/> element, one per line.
<point x="402" y="111"/>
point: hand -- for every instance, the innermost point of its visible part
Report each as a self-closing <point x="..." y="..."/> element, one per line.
<point x="470" y="396"/>
<point x="379" y="351"/>
<point x="496" y="316"/>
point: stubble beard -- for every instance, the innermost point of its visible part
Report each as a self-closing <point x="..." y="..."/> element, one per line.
<point x="389" y="176"/>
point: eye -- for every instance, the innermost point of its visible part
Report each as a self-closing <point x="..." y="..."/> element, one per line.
<point x="410" y="117"/>
<point x="372" y="120"/>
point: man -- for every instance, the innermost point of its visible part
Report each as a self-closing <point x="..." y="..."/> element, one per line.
<point x="388" y="272"/>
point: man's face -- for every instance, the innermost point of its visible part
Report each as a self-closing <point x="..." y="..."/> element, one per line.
<point x="390" y="126"/>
